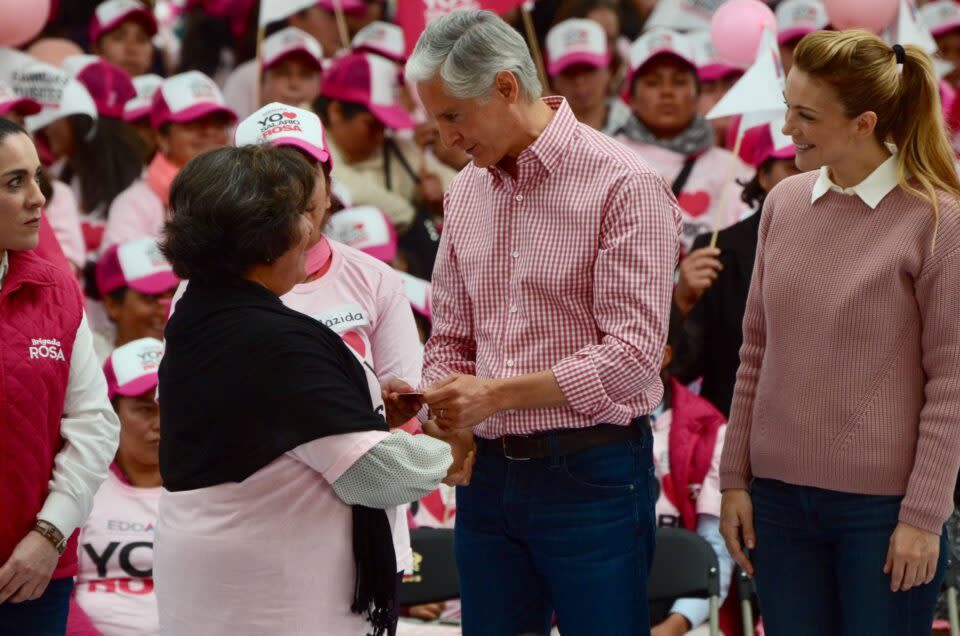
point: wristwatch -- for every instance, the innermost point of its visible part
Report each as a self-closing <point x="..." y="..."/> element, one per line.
<point x="51" y="534"/>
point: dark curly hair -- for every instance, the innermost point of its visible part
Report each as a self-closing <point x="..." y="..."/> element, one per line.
<point x="753" y="193"/>
<point x="234" y="208"/>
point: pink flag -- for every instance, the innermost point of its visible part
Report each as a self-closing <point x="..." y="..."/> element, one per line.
<point x="415" y="15"/>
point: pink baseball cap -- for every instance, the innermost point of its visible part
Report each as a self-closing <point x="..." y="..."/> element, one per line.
<point x="284" y="125"/>
<point x="353" y="7"/>
<point x="137" y="264"/>
<point x="419" y="292"/>
<point x="797" y="18"/>
<point x="187" y="97"/>
<point x="381" y="38"/>
<point x="576" y="41"/>
<point x="110" y="14"/>
<point x="371" y="80"/>
<point x="10" y="101"/>
<point x="365" y="228"/>
<point x="132" y="369"/>
<point x="108" y="85"/>
<point x="709" y="66"/>
<point x="139" y="107"/>
<point x="660" y="42"/>
<point x="757" y="147"/>
<point x="940" y="16"/>
<point x="291" y="41"/>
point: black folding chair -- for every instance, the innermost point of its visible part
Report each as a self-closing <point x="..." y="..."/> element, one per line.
<point x="747" y="590"/>
<point x="685" y="566"/>
<point x="434" y="577"/>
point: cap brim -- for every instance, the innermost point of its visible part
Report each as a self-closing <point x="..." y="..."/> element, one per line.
<point x="299" y="51"/>
<point x="789" y="35"/>
<point x="566" y="61"/>
<point x="392" y="116"/>
<point x="143" y="15"/>
<point x="945" y="28"/>
<point x="139" y="386"/>
<point x="714" y="72"/>
<point x="662" y="53"/>
<point x="198" y="111"/>
<point x="155" y="283"/>
<point x="366" y="48"/>
<point x="23" y="105"/>
<point x="136" y="114"/>
<point x="319" y="154"/>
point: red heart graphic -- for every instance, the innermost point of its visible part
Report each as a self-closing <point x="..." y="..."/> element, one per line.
<point x="356" y="343"/>
<point x="290" y="115"/>
<point x="694" y="203"/>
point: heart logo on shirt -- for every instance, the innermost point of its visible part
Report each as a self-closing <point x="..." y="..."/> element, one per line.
<point x="355" y="342"/>
<point x="694" y="203"/>
<point x="290" y="115"/>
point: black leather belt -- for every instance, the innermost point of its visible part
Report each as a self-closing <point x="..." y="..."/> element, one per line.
<point x="567" y="441"/>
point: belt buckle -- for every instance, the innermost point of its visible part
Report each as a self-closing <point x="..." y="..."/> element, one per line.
<point x="503" y="444"/>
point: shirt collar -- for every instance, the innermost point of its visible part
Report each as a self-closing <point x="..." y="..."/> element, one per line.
<point x="871" y="190"/>
<point x="548" y="149"/>
<point x="4" y="266"/>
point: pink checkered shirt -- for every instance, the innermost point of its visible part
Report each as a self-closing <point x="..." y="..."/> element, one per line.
<point x="568" y="267"/>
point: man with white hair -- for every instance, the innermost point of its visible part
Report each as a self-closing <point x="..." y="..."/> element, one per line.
<point x="551" y="299"/>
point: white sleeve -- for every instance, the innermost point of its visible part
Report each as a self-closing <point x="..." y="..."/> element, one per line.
<point x="90" y="430"/>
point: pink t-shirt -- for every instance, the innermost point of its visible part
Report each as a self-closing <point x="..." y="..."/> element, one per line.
<point x="63" y="214"/>
<point x="362" y="300"/>
<point x="136" y="212"/>
<point x="708" y="495"/>
<point x="115" y="581"/>
<point x="700" y="198"/>
<point x="275" y="551"/>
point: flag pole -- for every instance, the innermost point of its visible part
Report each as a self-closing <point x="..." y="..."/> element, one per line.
<point x="525" y="10"/>
<point x="341" y="24"/>
<point x="727" y="184"/>
<point x="261" y="32"/>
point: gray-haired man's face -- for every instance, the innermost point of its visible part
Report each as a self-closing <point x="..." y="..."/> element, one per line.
<point x="483" y="128"/>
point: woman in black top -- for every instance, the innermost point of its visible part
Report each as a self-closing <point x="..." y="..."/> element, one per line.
<point x="251" y="391"/>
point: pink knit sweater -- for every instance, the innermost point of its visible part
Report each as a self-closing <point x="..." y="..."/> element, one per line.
<point x="850" y="368"/>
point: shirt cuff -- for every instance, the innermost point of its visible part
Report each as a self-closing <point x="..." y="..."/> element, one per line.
<point x="695" y="610"/>
<point x="63" y="512"/>
<point x="581" y="386"/>
<point x="730" y="481"/>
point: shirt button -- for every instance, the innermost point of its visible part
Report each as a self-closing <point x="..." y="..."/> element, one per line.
<point x="519" y="198"/>
<point x="513" y="309"/>
<point x="510" y="363"/>
<point x="515" y="254"/>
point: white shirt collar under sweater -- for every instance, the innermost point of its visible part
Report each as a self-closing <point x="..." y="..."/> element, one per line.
<point x="871" y="190"/>
<point x="4" y="266"/>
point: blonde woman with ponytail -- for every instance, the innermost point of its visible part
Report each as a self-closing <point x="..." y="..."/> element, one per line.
<point x="844" y="437"/>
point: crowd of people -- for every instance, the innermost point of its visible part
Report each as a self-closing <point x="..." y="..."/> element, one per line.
<point x="268" y="303"/>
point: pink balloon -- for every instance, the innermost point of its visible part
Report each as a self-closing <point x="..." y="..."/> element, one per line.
<point x="872" y="15"/>
<point x="736" y="29"/>
<point x="22" y="20"/>
<point x="53" y="50"/>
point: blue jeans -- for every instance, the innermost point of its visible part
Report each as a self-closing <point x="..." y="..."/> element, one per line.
<point x="819" y="564"/>
<point x="572" y="535"/>
<point x="45" y="616"/>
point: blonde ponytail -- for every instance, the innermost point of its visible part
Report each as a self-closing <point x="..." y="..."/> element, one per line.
<point x="864" y="72"/>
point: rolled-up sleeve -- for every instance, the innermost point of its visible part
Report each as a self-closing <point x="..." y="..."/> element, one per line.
<point x="90" y="431"/>
<point x="633" y="284"/>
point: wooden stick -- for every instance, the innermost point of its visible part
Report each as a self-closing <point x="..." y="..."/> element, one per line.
<point x="727" y="183"/>
<point x="534" y="46"/>
<point x="261" y="32"/>
<point x="341" y="24"/>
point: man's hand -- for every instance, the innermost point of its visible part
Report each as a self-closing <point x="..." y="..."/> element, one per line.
<point x="912" y="557"/>
<point x="698" y="272"/>
<point x="673" y="625"/>
<point x="464" y="451"/>
<point x="399" y="410"/>
<point x="461" y="401"/>
<point x="25" y="575"/>
<point x="428" y="612"/>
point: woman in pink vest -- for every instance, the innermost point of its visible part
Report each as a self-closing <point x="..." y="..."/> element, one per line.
<point x="57" y="429"/>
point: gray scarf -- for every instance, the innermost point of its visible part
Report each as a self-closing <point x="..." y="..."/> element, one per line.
<point x="695" y="139"/>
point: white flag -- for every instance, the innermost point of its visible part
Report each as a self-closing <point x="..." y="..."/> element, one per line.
<point x="759" y="92"/>
<point x="907" y="29"/>
<point x="273" y="10"/>
<point x="55" y="89"/>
